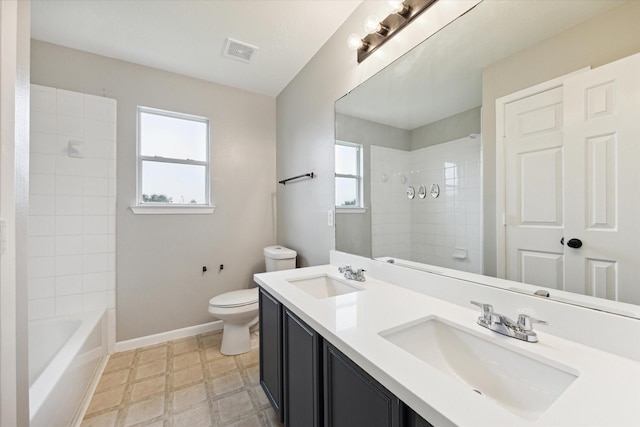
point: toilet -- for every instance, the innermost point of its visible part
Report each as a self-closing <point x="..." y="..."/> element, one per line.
<point x="239" y="309"/>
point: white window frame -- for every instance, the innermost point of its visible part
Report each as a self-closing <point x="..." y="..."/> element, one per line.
<point x="141" y="207"/>
<point x="359" y="206"/>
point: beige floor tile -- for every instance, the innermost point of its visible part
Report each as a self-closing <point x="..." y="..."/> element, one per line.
<point x="143" y="389"/>
<point x="261" y="401"/>
<point x="221" y="366"/>
<point x="197" y="416"/>
<point x="106" y="400"/>
<point x="190" y="396"/>
<point x="120" y="361"/>
<point x="213" y="339"/>
<point x="234" y="406"/>
<point x="112" y="379"/>
<point x="271" y="418"/>
<point x="213" y="353"/>
<point x="187" y="376"/>
<point x="145" y="410"/>
<point x="252" y="375"/>
<point x="104" y="420"/>
<point x="227" y="383"/>
<point x="153" y="353"/>
<point x="252" y="421"/>
<point x="248" y="359"/>
<point x="151" y="369"/>
<point x="183" y="361"/>
<point x="185" y="345"/>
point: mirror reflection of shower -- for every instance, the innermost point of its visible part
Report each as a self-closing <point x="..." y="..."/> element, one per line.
<point x="445" y="230"/>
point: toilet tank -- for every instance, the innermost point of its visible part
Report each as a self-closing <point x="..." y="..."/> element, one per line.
<point x="279" y="258"/>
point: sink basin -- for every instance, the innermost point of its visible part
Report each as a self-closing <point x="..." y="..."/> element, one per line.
<point x="525" y="385"/>
<point x="323" y="286"/>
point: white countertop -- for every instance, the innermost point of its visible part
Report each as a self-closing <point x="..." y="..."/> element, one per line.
<point x="606" y="392"/>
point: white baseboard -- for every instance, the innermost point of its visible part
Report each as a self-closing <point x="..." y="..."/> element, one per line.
<point x="168" y="336"/>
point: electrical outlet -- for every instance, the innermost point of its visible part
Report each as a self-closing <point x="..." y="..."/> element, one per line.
<point x="330" y="218"/>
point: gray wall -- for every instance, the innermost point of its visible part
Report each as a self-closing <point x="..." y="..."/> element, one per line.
<point x="160" y="284"/>
<point x="611" y="36"/>
<point x="355" y="228"/>
<point x="448" y="129"/>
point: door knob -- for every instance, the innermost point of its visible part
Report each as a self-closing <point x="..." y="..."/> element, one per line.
<point x="574" y="243"/>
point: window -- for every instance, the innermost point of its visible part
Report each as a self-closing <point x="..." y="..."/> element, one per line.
<point x="173" y="159"/>
<point x="348" y="175"/>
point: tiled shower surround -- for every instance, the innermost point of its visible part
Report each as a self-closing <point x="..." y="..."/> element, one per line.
<point x="71" y="248"/>
<point x="429" y="230"/>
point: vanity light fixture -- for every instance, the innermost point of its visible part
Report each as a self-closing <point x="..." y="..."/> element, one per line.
<point x="401" y="13"/>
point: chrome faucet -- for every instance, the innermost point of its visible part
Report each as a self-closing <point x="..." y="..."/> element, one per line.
<point x="352" y="275"/>
<point x="522" y="329"/>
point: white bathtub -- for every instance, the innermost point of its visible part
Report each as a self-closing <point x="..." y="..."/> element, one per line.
<point x="64" y="354"/>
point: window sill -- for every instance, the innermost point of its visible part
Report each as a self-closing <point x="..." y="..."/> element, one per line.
<point x="350" y="210"/>
<point x="171" y="210"/>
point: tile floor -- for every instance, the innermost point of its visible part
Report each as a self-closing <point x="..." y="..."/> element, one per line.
<point x="185" y="382"/>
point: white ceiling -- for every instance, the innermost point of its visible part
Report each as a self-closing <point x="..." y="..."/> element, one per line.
<point x="188" y="36"/>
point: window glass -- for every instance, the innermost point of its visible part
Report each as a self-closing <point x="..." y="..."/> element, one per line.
<point x="346" y="192"/>
<point x="173" y="164"/>
<point x="347" y="159"/>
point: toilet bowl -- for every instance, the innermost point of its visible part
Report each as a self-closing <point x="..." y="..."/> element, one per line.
<point x="239" y="311"/>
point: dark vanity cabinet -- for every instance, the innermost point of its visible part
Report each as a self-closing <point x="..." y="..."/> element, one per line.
<point x="270" y="318"/>
<point x="310" y="383"/>
<point x="352" y="397"/>
<point x="302" y="373"/>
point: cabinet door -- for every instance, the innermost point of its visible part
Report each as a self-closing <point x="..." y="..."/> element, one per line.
<point x="271" y="350"/>
<point x="352" y="397"/>
<point x="411" y="419"/>
<point x="301" y="373"/>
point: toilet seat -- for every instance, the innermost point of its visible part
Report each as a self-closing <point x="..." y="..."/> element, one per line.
<point x="234" y="299"/>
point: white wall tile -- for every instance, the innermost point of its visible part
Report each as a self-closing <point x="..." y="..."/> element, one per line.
<point x="70" y="103"/>
<point x="66" y="165"/>
<point x="68" y="264"/>
<point x="69" y="126"/>
<point x="41" y="308"/>
<point x="111" y="299"/>
<point x="69" y="225"/>
<point x="94" y="206"/>
<point x="95" y="186"/>
<point x="41" y="267"/>
<point x="96" y="168"/>
<point x="95" y="244"/>
<point x="68" y="304"/>
<point x="68" y="285"/>
<point x="42" y="184"/>
<point x="39" y="246"/>
<point x="43" y="122"/>
<point x="40" y="142"/>
<point x="94" y="282"/>
<point x="111" y="280"/>
<point x="42" y="225"/>
<point x="68" y="205"/>
<point x="95" y="108"/>
<point x="43" y="99"/>
<point x="43" y="287"/>
<point x="97" y="148"/>
<point x="95" y="225"/>
<point x="94" y="301"/>
<point x="69" y="245"/>
<point x="69" y="185"/>
<point x="41" y="163"/>
<point x="94" y="263"/>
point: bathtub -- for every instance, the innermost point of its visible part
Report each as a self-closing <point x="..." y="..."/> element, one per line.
<point x="64" y="355"/>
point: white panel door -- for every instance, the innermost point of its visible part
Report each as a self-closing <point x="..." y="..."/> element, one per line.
<point x="602" y="151"/>
<point x="534" y="189"/>
<point x="572" y="158"/>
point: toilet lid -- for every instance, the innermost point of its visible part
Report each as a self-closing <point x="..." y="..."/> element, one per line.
<point x="235" y="298"/>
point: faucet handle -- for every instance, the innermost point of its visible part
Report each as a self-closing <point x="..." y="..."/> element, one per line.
<point x="525" y="322"/>
<point x="486" y="308"/>
<point x="344" y="268"/>
<point x="488" y="315"/>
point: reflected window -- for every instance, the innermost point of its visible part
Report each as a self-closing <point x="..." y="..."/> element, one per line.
<point x="173" y="158"/>
<point x="348" y="175"/>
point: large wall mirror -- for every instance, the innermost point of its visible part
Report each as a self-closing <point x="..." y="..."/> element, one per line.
<point x="432" y="178"/>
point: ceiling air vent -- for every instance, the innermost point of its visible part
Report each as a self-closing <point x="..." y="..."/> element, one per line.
<point x="237" y="50"/>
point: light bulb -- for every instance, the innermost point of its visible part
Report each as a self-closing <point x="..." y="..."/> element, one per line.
<point x="395" y="6"/>
<point x="372" y="24"/>
<point x="354" y="41"/>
